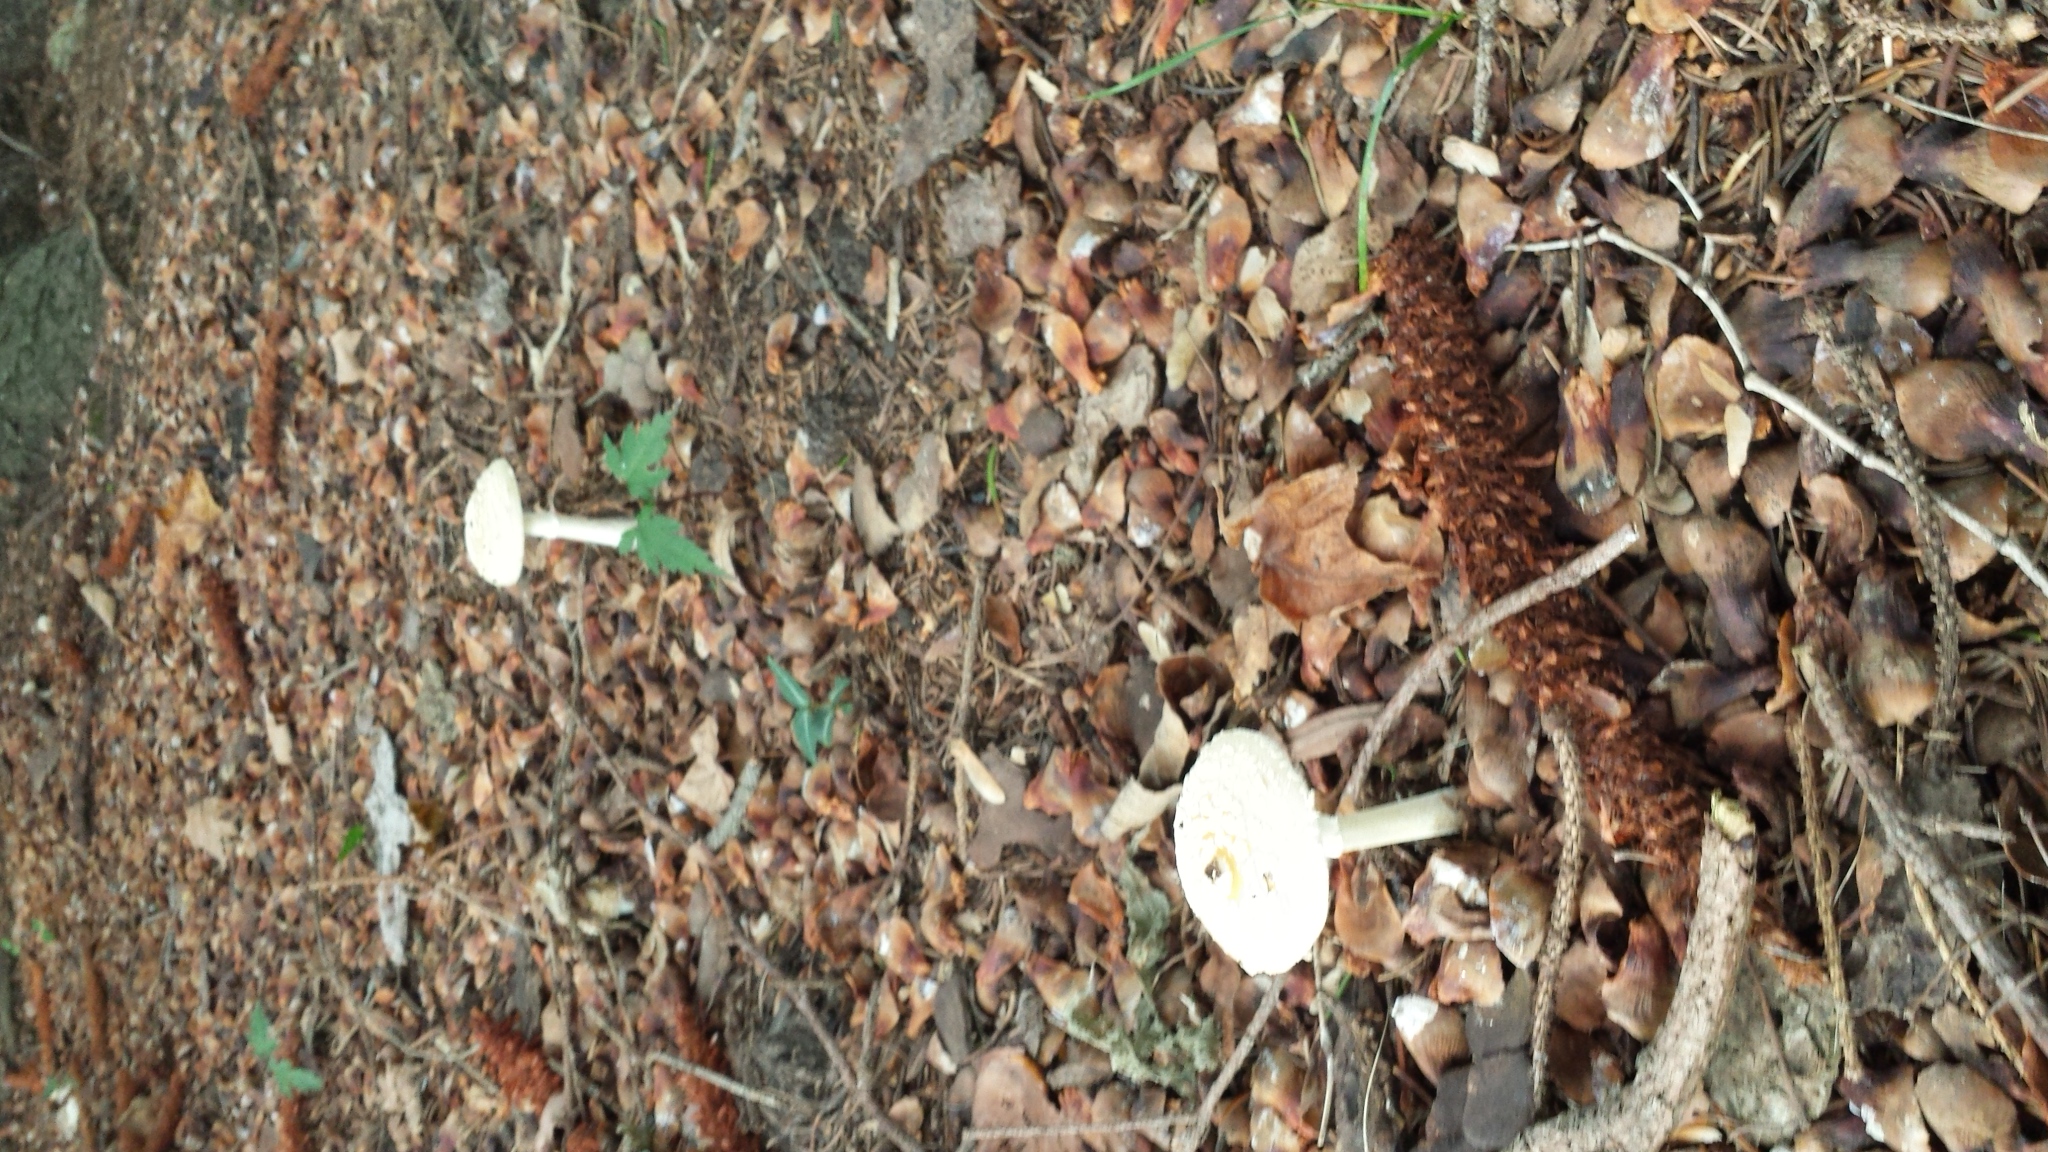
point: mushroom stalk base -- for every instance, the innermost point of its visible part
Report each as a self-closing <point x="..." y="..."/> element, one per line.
<point x="1424" y="817"/>
<point x="605" y="533"/>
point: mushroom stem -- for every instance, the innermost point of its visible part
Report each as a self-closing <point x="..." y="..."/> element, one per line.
<point x="605" y="532"/>
<point x="1424" y="817"/>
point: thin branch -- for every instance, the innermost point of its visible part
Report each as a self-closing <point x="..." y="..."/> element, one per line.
<point x="1173" y="603"/>
<point x="956" y="725"/>
<point x="1923" y="859"/>
<point x="1826" y="857"/>
<point x="1578" y="571"/>
<point x="565" y="303"/>
<point x="801" y="999"/>
<point x="735" y="813"/>
<point x="1564" y="900"/>
<point x="1485" y="15"/>
<point x="1668" y="1075"/>
<point x="2005" y="546"/>
<point x="1191" y="1138"/>
<point x="1958" y="117"/>
<point x="1152" y="1126"/>
<point x="773" y="1101"/>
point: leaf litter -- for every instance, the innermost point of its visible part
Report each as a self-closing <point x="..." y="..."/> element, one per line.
<point x="853" y="300"/>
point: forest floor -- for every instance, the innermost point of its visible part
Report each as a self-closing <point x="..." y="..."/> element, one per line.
<point x="1003" y="413"/>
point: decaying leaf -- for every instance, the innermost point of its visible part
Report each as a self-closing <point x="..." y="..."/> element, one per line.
<point x="1639" y="118"/>
<point x="1307" y="562"/>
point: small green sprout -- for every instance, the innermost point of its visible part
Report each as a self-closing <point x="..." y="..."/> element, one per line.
<point x="812" y="724"/>
<point x="291" y="1079"/>
<point x="350" y="841"/>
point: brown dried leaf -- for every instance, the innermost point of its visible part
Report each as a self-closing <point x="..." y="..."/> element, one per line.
<point x="1228" y="233"/>
<point x="1307" y="562"/>
<point x="1639" y="118"/>
<point x="1487" y="223"/>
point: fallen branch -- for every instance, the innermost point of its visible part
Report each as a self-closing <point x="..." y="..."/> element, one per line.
<point x="1668" y="1075"/>
<point x="2005" y="546"/>
<point x="1826" y="859"/>
<point x="1174" y="604"/>
<point x="1578" y="571"/>
<point x="801" y="1000"/>
<point x="565" y="303"/>
<point x="1923" y="859"/>
<point x="1191" y="1138"/>
<point x="773" y="1101"/>
<point x="1154" y="1127"/>
<point x="1564" y="899"/>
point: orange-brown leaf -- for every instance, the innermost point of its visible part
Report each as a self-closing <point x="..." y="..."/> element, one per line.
<point x="1307" y="562"/>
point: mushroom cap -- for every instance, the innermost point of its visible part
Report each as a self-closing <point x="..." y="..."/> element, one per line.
<point x="494" y="525"/>
<point x="1251" y="862"/>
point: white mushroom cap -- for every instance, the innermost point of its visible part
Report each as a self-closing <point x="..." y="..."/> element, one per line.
<point x="1251" y="859"/>
<point x="494" y="525"/>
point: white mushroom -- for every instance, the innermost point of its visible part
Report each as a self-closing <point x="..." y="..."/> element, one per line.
<point x="495" y="526"/>
<point x="1255" y="854"/>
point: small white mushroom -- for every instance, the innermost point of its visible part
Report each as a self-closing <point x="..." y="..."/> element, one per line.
<point x="1255" y="854"/>
<point x="495" y="526"/>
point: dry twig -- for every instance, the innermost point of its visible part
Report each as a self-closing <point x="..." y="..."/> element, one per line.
<point x="1578" y="571"/>
<point x="1826" y="857"/>
<point x="1923" y="858"/>
<point x="1668" y="1074"/>
<point x="855" y="1085"/>
<point x="2005" y="546"/>
<point x="1153" y="1126"/>
<point x="1564" y="900"/>
<point x="1191" y="1138"/>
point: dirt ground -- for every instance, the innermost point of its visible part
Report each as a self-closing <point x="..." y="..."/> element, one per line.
<point x="1001" y="413"/>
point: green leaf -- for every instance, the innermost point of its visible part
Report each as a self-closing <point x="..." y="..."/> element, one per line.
<point x="293" y="1080"/>
<point x="812" y="727"/>
<point x="350" y="841"/>
<point x="8" y="946"/>
<point x="261" y="1041"/>
<point x="793" y="691"/>
<point x="659" y="541"/>
<point x="635" y="460"/>
<point x="43" y="932"/>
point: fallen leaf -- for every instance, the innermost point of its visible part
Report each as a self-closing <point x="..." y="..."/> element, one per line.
<point x="1306" y="560"/>
<point x="1639" y="118"/>
<point x="998" y="826"/>
<point x="209" y="825"/>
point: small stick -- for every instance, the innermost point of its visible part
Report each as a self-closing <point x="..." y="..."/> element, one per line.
<point x="956" y="724"/>
<point x="1668" y="1075"/>
<point x="565" y="303"/>
<point x="1484" y="16"/>
<point x="801" y="999"/>
<point x="1192" y="1137"/>
<point x="735" y="813"/>
<point x="1150" y="1126"/>
<point x="1820" y="845"/>
<point x="774" y="1101"/>
<point x="1571" y="794"/>
<point x="1579" y="570"/>
<point x="2005" y="546"/>
<point x="1922" y="858"/>
<point x="1157" y="586"/>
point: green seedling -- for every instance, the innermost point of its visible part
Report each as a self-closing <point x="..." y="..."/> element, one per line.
<point x="350" y="841"/>
<point x="291" y="1079"/>
<point x="43" y="932"/>
<point x="635" y="460"/>
<point x="994" y="497"/>
<point x="812" y="724"/>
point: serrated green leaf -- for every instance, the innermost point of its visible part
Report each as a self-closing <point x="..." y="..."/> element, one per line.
<point x="350" y="841"/>
<point x="261" y="1040"/>
<point x="659" y="541"/>
<point x="793" y="692"/>
<point x="293" y="1080"/>
<point x="635" y="459"/>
